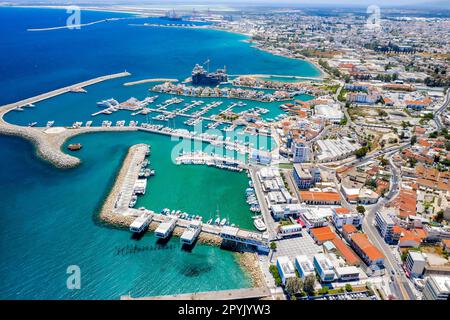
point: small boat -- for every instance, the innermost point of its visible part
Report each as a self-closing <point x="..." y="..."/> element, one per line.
<point x="259" y="224"/>
<point x="32" y="124"/>
<point x="217" y="221"/>
<point x="222" y="223"/>
<point x="74" y="146"/>
<point x="209" y="221"/>
<point x="133" y="201"/>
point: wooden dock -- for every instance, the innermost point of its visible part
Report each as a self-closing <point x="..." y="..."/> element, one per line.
<point x="237" y="294"/>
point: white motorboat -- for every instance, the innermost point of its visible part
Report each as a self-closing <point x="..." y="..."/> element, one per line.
<point x="259" y="224"/>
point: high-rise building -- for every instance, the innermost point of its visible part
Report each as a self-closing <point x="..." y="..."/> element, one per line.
<point x="300" y="151"/>
<point x="385" y="225"/>
<point x="415" y="263"/>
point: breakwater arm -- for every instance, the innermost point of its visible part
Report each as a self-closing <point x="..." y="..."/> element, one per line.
<point x="48" y="143"/>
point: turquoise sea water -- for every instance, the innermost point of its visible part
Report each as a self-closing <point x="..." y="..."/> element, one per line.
<point x="49" y="216"/>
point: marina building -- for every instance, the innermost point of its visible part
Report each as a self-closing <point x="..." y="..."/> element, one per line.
<point x="304" y="266"/>
<point x="290" y="230"/>
<point x="141" y="223"/>
<point x="415" y="263"/>
<point x="166" y="228"/>
<point x="436" y="288"/>
<point x="255" y="240"/>
<point x="283" y="211"/>
<point x="285" y="269"/>
<point x="324" y="268"/>
<point x="306" y="176"/>
<point x="191" y="233"/>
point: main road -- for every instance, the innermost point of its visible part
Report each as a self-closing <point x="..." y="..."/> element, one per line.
<point x="400" y="282"/>
<point x="437" y="113"/>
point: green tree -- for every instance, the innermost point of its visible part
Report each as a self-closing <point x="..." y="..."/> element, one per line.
<point x="273" y="246"/>
<point x="361" y="209"/>
<point x="309" y="284"/>
<point x="361" y="152"/>
<point x="293" y="285"/>
<point x="413" y="140"/>
<point x="324" y="290"/>
<point x="348" y="287"/>
<point x="275" y="274"/>
<point x="439" y="216"/>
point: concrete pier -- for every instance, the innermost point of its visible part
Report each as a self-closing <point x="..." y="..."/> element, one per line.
<point x="48" y="142"/>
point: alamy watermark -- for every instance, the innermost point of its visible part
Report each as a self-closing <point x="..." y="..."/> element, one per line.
<point x="74" y="279"/>
<point x="373" y="22"/>
<point x="74" y="19"/>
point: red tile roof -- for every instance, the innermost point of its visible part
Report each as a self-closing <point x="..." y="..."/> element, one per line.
<point x="362" y="242"/>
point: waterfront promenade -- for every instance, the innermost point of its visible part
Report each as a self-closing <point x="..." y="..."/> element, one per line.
<point x="236" y="294"/>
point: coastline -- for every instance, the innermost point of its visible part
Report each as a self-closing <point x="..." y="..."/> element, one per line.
<point x="248" y="261"/>
<point x="253" y="44"/>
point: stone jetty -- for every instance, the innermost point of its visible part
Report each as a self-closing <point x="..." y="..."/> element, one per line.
<point x="48" y="142"/>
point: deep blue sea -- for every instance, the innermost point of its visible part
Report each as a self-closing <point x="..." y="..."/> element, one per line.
<point x="49" y="216"/>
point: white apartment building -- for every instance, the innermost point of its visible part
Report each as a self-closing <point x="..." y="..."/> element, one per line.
<point x="304" y="266"/>
<point x="342" y="216"/>
<point x="285" y="269"/>
<point x="436" y="288"/>
<point x="415" y="263"/>
<point x="300" y="151"/>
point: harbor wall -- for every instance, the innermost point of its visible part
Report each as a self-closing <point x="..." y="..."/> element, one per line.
<point x="48" y="146"/>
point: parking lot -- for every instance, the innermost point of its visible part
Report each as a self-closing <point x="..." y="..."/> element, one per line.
<point x="301" y="245"/>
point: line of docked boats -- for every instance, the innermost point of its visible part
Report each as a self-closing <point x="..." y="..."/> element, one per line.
<point x="252" y="200"/>
<point x="141" y="183"/>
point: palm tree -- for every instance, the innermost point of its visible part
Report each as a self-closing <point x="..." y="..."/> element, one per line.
<point x="273" y="247"/>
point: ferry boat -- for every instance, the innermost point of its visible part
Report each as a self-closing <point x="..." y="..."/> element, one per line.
<point x="141" y="223"/>
<point x="259" y="224"/>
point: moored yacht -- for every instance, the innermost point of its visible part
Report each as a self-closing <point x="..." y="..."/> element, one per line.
<point x="259" y="223"/>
